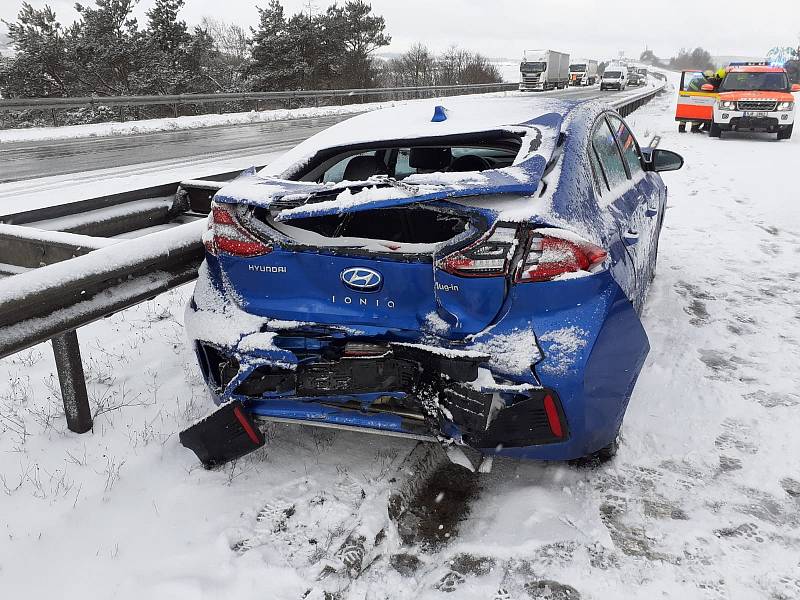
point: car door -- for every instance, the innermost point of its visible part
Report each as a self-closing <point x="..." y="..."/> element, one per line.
<point x="650" y="202"/>
<point x="618" y="197"/>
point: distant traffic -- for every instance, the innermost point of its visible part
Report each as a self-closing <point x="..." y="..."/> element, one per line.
<point x="549" y="70"/>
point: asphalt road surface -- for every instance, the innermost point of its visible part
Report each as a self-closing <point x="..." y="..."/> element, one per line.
<point x="28" y="160"/>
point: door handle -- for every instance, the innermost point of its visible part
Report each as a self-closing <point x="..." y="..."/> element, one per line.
<point x="651" y="204"/>
<point x="631" y="237"/>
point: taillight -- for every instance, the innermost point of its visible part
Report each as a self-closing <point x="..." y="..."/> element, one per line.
<point x="227" y="235"/>
<point x="488" y="257"/>
<point x="553" y="253"/>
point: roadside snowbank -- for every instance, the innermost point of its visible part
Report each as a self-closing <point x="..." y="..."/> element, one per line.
<point x="38" y="134"/>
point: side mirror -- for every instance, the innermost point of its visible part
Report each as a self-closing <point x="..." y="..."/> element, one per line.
<point x="707" y="87"/>
<point x="665" y="160"/>
<point x="796" y="87"/>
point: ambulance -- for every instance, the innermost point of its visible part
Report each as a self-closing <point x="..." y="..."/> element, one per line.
<point x="755" y="98"/>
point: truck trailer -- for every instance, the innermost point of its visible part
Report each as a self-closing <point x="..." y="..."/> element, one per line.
<point x="543" y="70"/>
<point x="583" y="72"/>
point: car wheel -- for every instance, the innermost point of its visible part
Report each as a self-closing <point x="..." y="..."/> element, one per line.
<point x="599" y="458"/>
<point x="786" y="133"/>
<point x="715" y="131"/>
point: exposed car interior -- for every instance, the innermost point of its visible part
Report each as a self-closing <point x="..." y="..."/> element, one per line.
<point x="403" y="159"/>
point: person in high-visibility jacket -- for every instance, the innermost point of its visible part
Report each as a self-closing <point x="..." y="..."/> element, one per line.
<point x="714" y="77"/>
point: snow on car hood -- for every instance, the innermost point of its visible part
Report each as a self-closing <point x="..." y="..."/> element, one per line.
<point x="298" y="199"/>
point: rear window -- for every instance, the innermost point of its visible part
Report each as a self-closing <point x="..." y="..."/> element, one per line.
<point x="402" y="160"/>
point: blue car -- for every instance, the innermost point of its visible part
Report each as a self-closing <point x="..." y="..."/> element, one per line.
<point x="471" y="274"/>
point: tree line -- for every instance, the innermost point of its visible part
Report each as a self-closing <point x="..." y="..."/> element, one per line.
<point x="106" y="52"/>
<point x="697" y="58"/>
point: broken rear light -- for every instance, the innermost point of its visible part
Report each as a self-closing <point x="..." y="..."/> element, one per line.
<point x="488" y="257"/>
<point x="554" y="252"/>
<point x="227" y="235"/>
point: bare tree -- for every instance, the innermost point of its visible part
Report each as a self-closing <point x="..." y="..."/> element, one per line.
<point x="229" y="38"/>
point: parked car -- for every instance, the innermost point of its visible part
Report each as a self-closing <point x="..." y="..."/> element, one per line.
<point x="471" y="275"/>
<point x="614" y="78"/>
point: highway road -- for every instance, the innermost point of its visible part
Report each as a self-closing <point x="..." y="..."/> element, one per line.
<point x="29" y="160"/>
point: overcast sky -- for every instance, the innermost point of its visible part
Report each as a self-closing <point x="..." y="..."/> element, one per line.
<point x="504" y="28"/>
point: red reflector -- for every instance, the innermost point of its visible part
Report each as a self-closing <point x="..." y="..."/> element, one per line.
<point x="248" y="429"/>
<point x="552" y="416"/>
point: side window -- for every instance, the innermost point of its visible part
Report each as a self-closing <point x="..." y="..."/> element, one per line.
<point x="608" y="154"/>
<point x="403" y="167"/>
<point x="597" y="171"/>
<point x="335" y="174"/>
<point x="630" y="149"/>
<point x="691" y="81"/>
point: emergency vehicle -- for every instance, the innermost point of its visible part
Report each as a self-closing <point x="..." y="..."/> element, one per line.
<point x="755" y="98"/>
<point x="696" y="98"/>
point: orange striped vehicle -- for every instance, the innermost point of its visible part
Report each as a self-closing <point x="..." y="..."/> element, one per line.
<point x="695" y="104"/>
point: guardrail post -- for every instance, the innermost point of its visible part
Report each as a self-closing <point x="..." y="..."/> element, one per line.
<point x="73" y="382"/>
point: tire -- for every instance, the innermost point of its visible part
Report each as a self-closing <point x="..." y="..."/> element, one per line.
<point x="715" y="131"/>
<point x="786" y="133"/>
<point x="682" y="127"/>
<point x="599" y="458"/>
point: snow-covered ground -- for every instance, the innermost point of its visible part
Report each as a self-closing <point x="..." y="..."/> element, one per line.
<point x="703" y="500"/>
<point x="36" y="134"/>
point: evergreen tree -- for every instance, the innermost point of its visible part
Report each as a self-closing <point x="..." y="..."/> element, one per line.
<point x="39" y="67"/>
<point x="361" y="33"/>
<point x="273" y="66"/>
<point x="106" y="49"/>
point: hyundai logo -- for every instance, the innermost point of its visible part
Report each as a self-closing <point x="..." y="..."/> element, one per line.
<point x="362" y="279"/>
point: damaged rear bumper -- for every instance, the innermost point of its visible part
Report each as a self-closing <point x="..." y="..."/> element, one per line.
<point x="396" y="389"/>
<point x="589" y="349"/>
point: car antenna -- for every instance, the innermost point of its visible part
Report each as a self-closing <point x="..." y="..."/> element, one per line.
<point x="439" y="114"/>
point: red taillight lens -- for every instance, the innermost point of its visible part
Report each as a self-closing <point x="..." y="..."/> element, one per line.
<point x="227" y="235"/>
<point x="553" y="419"/>
<point x="488" y="257"/>
<point x="553" y="253"/>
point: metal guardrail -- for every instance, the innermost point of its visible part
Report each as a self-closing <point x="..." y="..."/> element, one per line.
<point x="180" y="99"/>
<point x="86" y="276"/>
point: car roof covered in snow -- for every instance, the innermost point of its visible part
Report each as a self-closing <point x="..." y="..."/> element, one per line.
<point x="415" y="121"/>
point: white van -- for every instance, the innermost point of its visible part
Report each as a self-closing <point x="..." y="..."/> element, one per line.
<point x="615" y="77"/>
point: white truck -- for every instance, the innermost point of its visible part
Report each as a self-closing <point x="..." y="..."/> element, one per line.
<point x="543" y="70"/>
<point x="583" y="72"/>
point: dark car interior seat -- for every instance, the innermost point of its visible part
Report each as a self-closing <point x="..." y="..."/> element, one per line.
<point x="469" y="162"/>
<point x="430" y="160"/>
<point x="361" y="168"/>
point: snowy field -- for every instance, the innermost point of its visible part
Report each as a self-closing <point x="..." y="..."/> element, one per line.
<point x="702" y="502"/>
